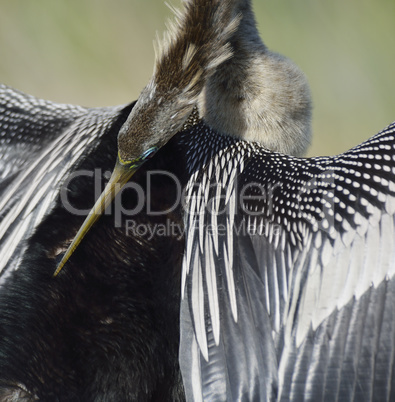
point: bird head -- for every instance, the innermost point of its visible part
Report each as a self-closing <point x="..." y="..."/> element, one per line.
<point x="155" y="119"/>
<point x="192" y="48"/>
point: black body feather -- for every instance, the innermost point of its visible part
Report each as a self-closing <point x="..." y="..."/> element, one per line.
<point x="107" y="328"/>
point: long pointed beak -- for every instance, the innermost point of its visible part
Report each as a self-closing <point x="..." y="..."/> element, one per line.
<point x="120" y="176"/>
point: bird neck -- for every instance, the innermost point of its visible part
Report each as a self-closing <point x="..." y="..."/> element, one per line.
<point x="247" y="35"/>
<point x="258" y="95"/>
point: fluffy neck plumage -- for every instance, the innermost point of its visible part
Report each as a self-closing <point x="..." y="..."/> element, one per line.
<point x="258" y="95"/>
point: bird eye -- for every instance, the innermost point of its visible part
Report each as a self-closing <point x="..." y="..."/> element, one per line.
<point x="148" y="153"/>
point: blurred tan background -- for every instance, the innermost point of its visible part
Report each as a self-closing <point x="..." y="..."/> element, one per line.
<point x="99" y="52"/>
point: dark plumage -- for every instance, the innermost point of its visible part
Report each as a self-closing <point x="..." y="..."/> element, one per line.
<point x="87" y="335"/>
<point x="276" y="281"/>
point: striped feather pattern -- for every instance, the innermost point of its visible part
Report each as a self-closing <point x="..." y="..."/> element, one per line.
<point x="296" y="245"/>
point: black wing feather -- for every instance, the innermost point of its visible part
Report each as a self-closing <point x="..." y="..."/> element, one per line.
<point x="312" y="273"/>
<point x="40" y="144"/>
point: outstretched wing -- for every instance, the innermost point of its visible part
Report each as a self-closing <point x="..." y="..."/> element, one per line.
<point x="40" y="142"/>
<point x="288" y="275"/>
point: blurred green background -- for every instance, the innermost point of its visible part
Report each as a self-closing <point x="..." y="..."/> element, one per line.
<point x="99" y="52"/>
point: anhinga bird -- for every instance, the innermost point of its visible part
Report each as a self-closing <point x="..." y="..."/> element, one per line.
<point x="280" y="278"/>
